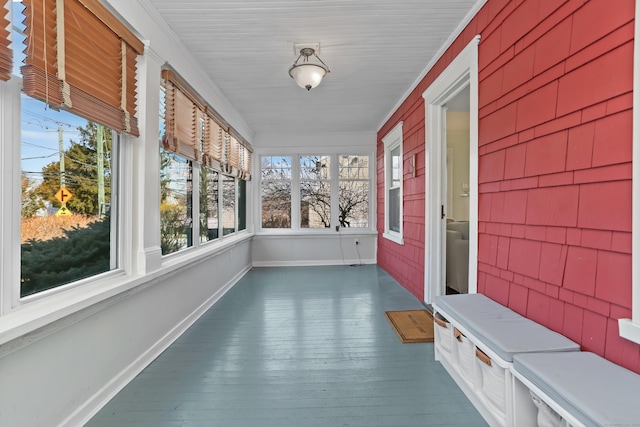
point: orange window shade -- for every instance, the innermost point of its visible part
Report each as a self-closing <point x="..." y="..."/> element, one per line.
<point x="245" y="163"/>
<point x="233" y="156"/>
<point x="184" y="119"/>
<point x="196" y="131"/>
<point x="81" y="58"/>
<point x="212" y="155"/>
<point x="6" y="55"/>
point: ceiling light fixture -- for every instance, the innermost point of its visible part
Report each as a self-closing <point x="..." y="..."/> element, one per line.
<point x="307" y="74"/>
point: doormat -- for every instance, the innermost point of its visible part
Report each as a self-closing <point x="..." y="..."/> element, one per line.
<point x="411" y="325"/>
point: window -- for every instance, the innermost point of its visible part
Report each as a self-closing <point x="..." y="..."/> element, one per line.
<point x="315" y="192"/>
<point x="69" y="178"/>
<point x="393" y="184"/>
<point x="75" y="110"/>
<point x="275" y="191"/>
<point x="328" y="190"/>
<point x="353" y="196"/>
<point x="197" y="143"/>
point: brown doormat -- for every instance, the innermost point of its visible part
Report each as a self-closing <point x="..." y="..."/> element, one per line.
<point x="411" y="325"/>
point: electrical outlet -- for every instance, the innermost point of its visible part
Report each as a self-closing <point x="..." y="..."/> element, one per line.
<point x="357" y="242"/>
<point x="337" y="228"/>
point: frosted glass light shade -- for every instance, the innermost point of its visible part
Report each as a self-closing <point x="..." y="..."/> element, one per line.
<point x="307" y="75"/>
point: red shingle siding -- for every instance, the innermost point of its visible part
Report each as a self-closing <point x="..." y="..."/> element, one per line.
<point x="554" y="167"/>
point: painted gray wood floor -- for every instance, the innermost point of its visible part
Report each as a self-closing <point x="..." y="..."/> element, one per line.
<point x="296" y="346"/>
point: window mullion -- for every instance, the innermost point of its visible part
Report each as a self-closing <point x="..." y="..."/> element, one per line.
<point x="295" y="192"/>
<point x="195" y="203"/>
<point x="335" y="191"/>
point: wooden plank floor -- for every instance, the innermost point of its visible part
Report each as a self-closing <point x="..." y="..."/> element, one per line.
<point x="296" y="346"/>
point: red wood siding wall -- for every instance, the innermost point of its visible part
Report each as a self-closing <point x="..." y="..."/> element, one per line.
<point x="555" y="123"/>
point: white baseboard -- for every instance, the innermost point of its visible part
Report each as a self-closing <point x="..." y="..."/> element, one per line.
<point x="312" y="263"/>
<point x="96" y="402"/>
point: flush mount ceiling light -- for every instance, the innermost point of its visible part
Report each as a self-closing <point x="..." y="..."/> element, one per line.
<point x="308" y="74"/>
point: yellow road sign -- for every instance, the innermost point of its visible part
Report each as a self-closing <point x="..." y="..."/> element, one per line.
<point x="63" y="211"/>
<point x="63" y="195"/>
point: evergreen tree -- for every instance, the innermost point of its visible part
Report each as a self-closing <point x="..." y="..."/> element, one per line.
<point x="81" y="253"/>
<point x="80" y="172"/>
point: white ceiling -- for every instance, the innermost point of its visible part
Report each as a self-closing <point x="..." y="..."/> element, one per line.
<point x="376" y="51"/>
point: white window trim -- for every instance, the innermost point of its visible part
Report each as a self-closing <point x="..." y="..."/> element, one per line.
<point x="630" y="328"/>
<point x="392" y="140"/>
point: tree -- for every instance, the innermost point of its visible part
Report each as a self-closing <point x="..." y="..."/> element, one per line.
<point x="276" y="192"/>
<point x="175" y="202"/>
<point x="315" y="192"/>
<point x="81" y="172"/>
<point x="31" y="201"/>
<point x="82" y="252"/>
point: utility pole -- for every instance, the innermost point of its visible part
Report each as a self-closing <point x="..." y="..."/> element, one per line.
<point x="63" y="183"/>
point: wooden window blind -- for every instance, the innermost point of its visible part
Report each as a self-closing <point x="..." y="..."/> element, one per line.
<point x="182" y="129"/>
<point x="245" y="163"/>
<point x="83" y="59"/>
<point x="212" y="155"/>
<point x="6" y="56"/>
<point x="233" y="156"/>
<point x="195" y="131"/>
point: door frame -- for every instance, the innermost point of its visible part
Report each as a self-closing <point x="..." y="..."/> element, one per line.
<point x="462" y="72"/>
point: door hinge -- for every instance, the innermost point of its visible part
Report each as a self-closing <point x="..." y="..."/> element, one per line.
<point x="442" y="215"/>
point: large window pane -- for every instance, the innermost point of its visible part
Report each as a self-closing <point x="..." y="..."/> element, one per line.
<point x="208" y="204"/>
<point x="242" y="204"/>
<point x="228" y="205"/>
<point x="315" y="192"/>
<point x="275" y="191"/>
<point x="68" y="173"/>
<point x="175" y="202"/>
<point x="353" y="197"/>
<point x="394" y="209"/>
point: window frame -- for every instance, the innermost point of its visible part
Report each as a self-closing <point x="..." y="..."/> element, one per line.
<point x="11" y="300"/>
<point x="10" y="217"/>
<point x="295" y="193"/>
<point x="326" y="177"/>
<point x="290" y="181"/>
<point x="366" y="180"/>
<point x="392" y="140"/>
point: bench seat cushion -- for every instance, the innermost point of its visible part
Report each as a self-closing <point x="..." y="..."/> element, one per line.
<point x="592" y="389"/>
<point x="502" y="330"/>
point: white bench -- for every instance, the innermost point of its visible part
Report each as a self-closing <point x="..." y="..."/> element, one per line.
<point x="574" y="389"/>
<point x="476" y="339"/>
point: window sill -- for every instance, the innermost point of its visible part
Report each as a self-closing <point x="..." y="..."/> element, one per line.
<point x="394" y="238"/>
<point x="629" y="330"/>
<point x="37" y="319"/>
<point x="325" y="232"/>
